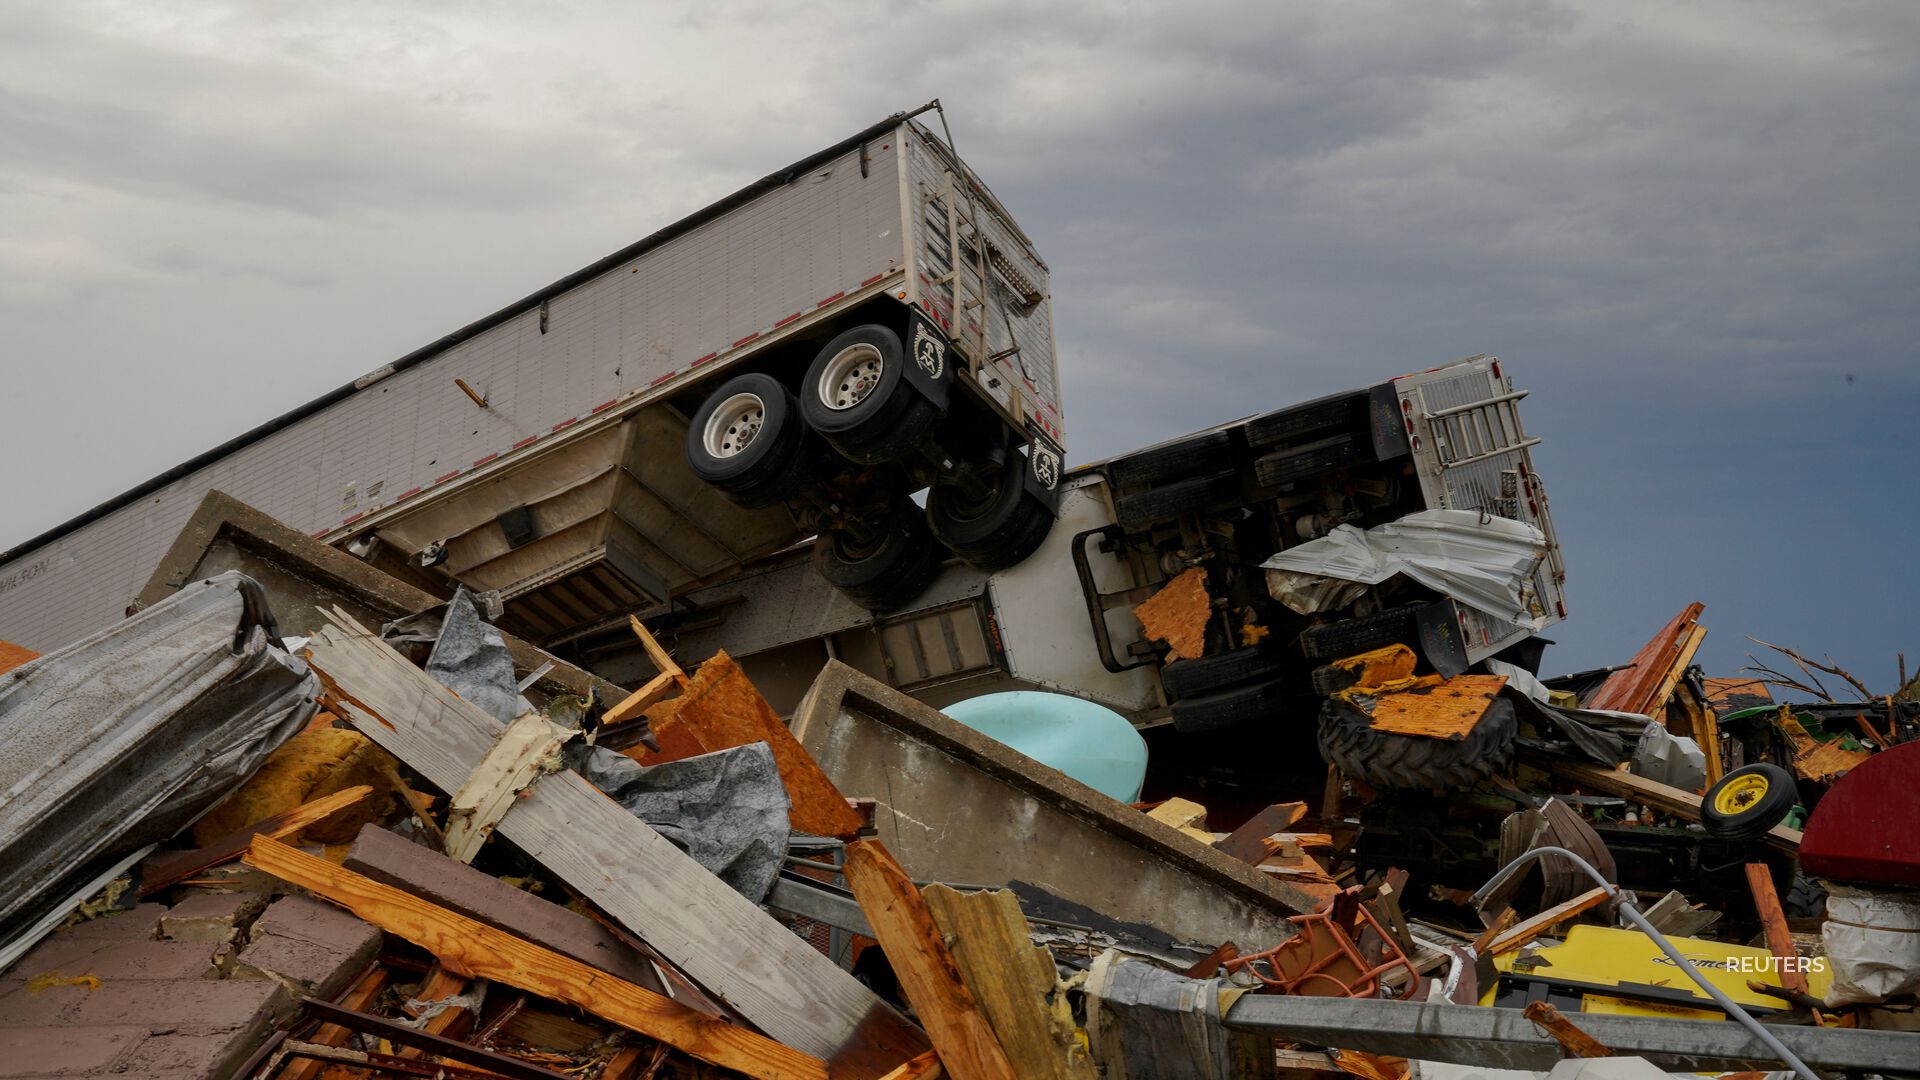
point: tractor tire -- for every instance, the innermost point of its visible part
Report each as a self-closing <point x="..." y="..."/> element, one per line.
<point x="1748" y="802"/>
<point x="1233" y="708"/>
<point x="1205" y="452"/>
<point x="1415" y="762"/>
<point x="1805" y="898"/>
<point x="1329" y="455"/>
<point x="1191" y="678"/>
<point x="1169" y="501"/>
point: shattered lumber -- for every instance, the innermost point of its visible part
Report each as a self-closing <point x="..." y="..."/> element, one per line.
<point x="722" y="941"/>
<point x="1010" y="977"/>
<point x="476" y="950"/>
<point x="1564" y="1031"/>
<point x="1526" y="931"/>
<point x="928" y="975"/>
<point x="174" y="869"/>
<point x="1774" y="922"/>
<point x="1670" y="800"/>
<point x="524" y="749"/>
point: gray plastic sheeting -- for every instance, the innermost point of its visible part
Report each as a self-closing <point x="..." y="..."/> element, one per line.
<point x="469" y="655"/>
<point x="1147" y="1023"/>
<point x="125" y="738"/>
<point x="1485" y="563"/>
<point x="728" y="809"/>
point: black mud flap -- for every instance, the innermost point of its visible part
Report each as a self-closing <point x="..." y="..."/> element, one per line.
<point x="1045" y="463"/>
<point x="930" y="360"/>
<point x="1441" y="640"/>
<point x="1389" y="426"/>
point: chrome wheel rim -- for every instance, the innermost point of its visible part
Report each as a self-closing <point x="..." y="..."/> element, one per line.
<point x="850" y="376"/>
<point x="734" y="425"/>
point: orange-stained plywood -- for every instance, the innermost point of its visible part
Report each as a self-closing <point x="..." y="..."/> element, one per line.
<point x="721" y="709"/>
<point x="12" y="656"/>
<point x="1637" y="688"/>
<point x="1445" y="711"/>
<point x="1178" y="615"/>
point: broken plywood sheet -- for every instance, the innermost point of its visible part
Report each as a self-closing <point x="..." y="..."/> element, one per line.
<point x="1178" y="615"/>
<point x="1815" y="760"/>
<point x="721" y="709"/>
<point x="1447" y="711"/>
<point x="954" y="805"/>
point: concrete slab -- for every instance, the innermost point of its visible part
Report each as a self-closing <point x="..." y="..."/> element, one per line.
<point x="211" y="917"/>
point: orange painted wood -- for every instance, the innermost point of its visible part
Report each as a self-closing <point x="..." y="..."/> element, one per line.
<point x="1774" y="921"/>
<point x="926" y="969"/>
<point x="174" y="869"/>
<point x="1446" y="711"/>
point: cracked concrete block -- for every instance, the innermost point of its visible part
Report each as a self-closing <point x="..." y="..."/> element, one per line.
<point x="306" y="946"/>
<point x="141" y="922"/>
<point x="212" y="917"/>
<point x="66" y="1051"/>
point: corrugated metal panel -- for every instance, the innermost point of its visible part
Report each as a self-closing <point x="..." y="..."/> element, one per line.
<point x="614" y="337"/>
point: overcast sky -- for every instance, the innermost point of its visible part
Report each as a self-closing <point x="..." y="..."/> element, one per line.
<point x="1690" y="229"/>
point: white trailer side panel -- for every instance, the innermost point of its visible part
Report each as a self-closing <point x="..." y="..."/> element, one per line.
<point x="611" y="343"/>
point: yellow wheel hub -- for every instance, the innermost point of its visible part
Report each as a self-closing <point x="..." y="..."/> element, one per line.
<point x="1740" y="794"/>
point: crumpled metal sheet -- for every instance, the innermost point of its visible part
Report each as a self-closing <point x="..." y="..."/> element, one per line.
<point x="727" y="809"/>
<point x="1485" y="563"/>
<point x="126" y="737"/>
<point x="470" y="658"/>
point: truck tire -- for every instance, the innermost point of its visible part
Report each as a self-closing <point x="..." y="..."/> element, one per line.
<point x="997" y="531"/>
<point x="748" y="440"/>
<point x="1338" y="640"/>
<point x="1320" y="414"/>
<point x="909" y="432"/>
<point x="1416" y="762"/>
<point x="1169" y="501"/>
<point x="1286" y="466"/>
<point x="1192" y="677"/>
<point x="1747" y="802"/>
<point x="1233" y="708"/>
<point x="1201" y="453"/>
<point x="887" y="572"/>
<point x="856" y="386"/>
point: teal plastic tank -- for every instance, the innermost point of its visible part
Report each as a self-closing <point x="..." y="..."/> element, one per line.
<point x="1089" y="742"/>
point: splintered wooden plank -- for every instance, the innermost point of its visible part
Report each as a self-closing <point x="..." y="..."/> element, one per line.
<point x="657" y="690"/>
<point x="1774" y="921"/>
<point x="1526" y="931"/>
<point x="1446" y="711"/>
<point x="1248" y="842"/>
<point x="721" y="709"/>
<point x="1178" y="615"/>
<point x="720" y="939"/>
<point x="476" y="950"/>
<point x="1662" y="797"/>
<point x="174" y="869"/>
<point x="529" y="745"/>
<point x="927" y="972"/>
<point x="1011" y="977"/>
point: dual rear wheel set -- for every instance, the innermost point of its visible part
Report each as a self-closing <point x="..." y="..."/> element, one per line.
<point x="846" y="451"/>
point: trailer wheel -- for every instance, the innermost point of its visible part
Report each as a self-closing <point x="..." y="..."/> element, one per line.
<point x="1747" y="802"/>
<point x="996" y="531"/>
<point x="856" y="391"/>
<point x="909" y="432"/>
<point x="1339" y="452"/>
<point x="747" y="439"/>
<point x="1416" y="762"/>
<point x="1171" y="500"/>
<point x="1195" y="676"/>
<point x="887" y="571"/>
<point x="1224" y="709"/>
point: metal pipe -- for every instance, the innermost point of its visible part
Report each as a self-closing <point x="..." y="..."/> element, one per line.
<point x="1627" y="908"/>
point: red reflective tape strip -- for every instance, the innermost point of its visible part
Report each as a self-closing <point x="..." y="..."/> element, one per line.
<point x="444" y="479"/>
<point x="566" y="423"/>
<point x="354" y="518"/>
<point x="704" y="359"/>
<point x="482" y="461"/>
<point x="746" y="339"/>
<point x="663" y="378"/>
<point x="528" y="441"/>
<point x="871" y="280"/>
<point x="831" y="299"/>
<point x="407" y="494"/>
<point x="321" y="533"/>
<point x="604" y="406"/>
<point x="787" y="320"/>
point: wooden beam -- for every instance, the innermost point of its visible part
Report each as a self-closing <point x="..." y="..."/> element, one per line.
<point x="1774" y="921"/>
<point x="1011" y="978"/>
<point x="476" y="950"/>
<point x="1676" y="670"/>
<point x="720" y="939"/>
<point x="924" y="1067"/>
<point x="1683" y="804"/>
<point x="928" y="973"/>
<point x="361" y="995"/>
<point x="1248" y="842"/>
<point x="527" y="747"/>
<point x="1563" y="1031"/>
<point x="157" y="874"/>
<point x="1525" y="931"/>
<point x="658" y="689"/>
<point x="658" y="655"/>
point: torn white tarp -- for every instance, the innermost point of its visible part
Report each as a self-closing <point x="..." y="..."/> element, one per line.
<point x="1872" y="939"/>
<point x="1486" y="563"/>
